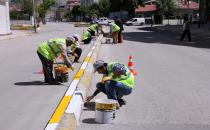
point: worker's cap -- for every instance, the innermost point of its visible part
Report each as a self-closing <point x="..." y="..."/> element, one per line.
<point x="76" y="36"/>
<point x="70" y="38"/>
<point x="98" y="64"/>
<point x="119" y="68"/>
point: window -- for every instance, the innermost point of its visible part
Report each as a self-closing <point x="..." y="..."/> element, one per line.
<point x="134" y="20"/>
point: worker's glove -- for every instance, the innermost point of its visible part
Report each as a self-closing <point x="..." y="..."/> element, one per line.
<point x="72" y="68"/>
<point x="104" y="79"/>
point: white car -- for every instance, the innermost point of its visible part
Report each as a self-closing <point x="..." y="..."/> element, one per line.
<point x="136" y="21"/>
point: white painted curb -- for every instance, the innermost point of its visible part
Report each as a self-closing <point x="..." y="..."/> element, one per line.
<point x="70" y="118"/>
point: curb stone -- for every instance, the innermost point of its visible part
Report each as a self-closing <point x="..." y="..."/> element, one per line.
<point x="67" y="114"/>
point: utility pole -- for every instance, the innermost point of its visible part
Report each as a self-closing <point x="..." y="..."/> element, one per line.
<point x="34" y="14"/>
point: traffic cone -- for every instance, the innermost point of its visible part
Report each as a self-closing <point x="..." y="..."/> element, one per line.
<point x="131" y="65"/>
<point x="41" y="72"/>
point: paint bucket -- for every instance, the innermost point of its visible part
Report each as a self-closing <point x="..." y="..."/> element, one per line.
<point x="105" y="111"/>
<point x="61" y="73"/>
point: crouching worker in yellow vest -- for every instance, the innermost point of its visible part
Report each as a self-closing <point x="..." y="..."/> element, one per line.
<point x="94" y="28"/>
<point x="48" y="51"/>
<point x="86" y="37"/>
<point x="116" y="82"/>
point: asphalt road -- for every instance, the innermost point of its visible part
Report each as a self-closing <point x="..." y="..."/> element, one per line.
<point x="172" y="88"/>
<point x="27" y="104"/>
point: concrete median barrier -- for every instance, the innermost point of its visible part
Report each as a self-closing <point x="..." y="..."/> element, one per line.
<point x="67" y="115"/>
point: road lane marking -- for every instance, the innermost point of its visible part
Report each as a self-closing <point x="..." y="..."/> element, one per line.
<point x="60" y="109"/>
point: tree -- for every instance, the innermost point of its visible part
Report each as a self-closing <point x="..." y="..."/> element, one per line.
<point x="43" y="8"/>
<point x="26" y="7"/>
<point x="104" y="7"/>
<point x="128" y="5"/>
<point x="76" y="11"/>
<point x="165" y="8"/>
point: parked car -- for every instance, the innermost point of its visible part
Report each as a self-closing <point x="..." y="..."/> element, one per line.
<point x="104" y="21"/>
<point x="135" y="21"/>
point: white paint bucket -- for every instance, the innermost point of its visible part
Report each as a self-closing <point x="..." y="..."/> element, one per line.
<point x="104" y="117"/>
<point x="105" y="111"/>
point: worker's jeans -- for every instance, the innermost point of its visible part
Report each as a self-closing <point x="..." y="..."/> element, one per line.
<point x="47" y="68"/>
<point x="87" y="41"/>
<point x="113" y="89"/>
<point x="115" y="36"/>
<point x="78" y="51"/>
<point x="188" y="35"/>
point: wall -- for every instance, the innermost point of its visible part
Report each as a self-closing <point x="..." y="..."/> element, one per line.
<point x="172" y="21"/>
<point x="4" y="19"/>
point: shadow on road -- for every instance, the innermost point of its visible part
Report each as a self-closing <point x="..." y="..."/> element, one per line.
<point x="154" y="35"/>
<point x="30" y="83"/>
<point x="89" y="121"/>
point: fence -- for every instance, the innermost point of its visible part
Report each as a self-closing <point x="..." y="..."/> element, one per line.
<point x="172" y="21"/>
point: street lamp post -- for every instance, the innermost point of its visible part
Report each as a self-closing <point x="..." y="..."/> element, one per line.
<point x="34" y="15"/>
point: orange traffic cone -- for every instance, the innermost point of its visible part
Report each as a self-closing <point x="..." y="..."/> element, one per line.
<point x="130" y="65"/>
<point x="41" y="72"/>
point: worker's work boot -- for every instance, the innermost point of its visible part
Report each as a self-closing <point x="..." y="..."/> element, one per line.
<point x="118" y="106"/>
<point x="121" y="102"/>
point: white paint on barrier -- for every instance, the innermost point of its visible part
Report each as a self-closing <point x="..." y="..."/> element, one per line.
<point x="51" y="126"/>
<point x="93" y="47"/>
<point x="84" y="65"/>
<point x="90" y="53"/>
<point x="72" y="87"/>
<point x="75" y="106"/>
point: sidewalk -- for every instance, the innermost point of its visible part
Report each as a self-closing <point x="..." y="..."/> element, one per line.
<point x="16" y="33"/>
<point x="200" y="36"/>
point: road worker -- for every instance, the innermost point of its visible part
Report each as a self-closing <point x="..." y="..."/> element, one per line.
<point x="117" y="81"/>
<point x="93" y="29"/>
<point x="114" y="30"/>
<point x="51" y="49"/>
<point x="86" y="37"/>
<point x="75" y="47"/>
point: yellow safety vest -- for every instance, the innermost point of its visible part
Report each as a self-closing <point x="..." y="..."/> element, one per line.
<point x="127" y="79"/>
<point x="51" y="48"/>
